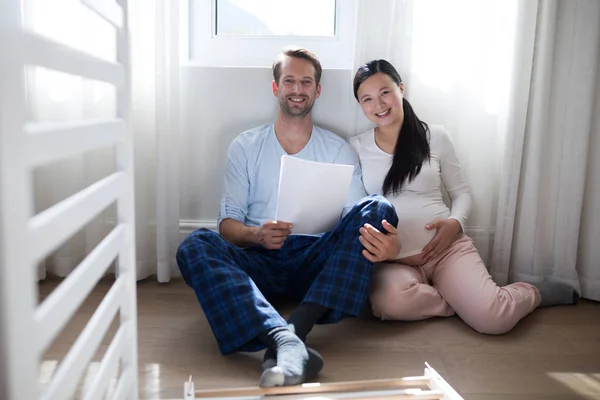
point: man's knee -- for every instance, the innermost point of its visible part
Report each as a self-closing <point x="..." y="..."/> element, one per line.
<point x="196" y="245"/>
<point x="378" y="208"/>
<point x="199" y="237"/>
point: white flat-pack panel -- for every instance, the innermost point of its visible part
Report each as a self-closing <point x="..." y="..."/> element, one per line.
<point x="126" y="212"/>
<point x="52" y="227"/>
<point x="32" y="49"/>
<point x="108" y="366"/>
<point x="125" y="388"/>
<point x="26" y="330"/>
<point x="58" y="308"/>
<point x="52" y="141"/>
<point x="67" y="376"/>
<point x="439" y="383"/>
<point x="18" y="290"/>
<point x="107" y="9"/>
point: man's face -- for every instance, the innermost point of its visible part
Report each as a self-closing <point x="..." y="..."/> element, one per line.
<point x="296" y="89"/>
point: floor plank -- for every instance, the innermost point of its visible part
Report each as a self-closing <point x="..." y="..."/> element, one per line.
<point x="552" y="354"/>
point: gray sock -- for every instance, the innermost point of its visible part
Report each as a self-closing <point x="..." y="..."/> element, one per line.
<point x="313" y="367"/>
<point x="556" y="293"/>
<point x="293" y="365"/>
<point x="301" y="322"/>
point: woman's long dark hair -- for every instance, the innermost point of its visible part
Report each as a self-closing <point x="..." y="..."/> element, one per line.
<point x="412" y="146"/>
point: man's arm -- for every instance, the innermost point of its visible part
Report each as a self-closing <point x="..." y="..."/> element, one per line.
<point x="237" y="233"/>
<point x="271" y="235"/>
<point x="234" y="207"/>
<point x="234" y="199"/>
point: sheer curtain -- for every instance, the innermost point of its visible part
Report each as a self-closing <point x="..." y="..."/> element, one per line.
<point x="457" y="61"/>
<point x="549" y="223"/>
<point x="516" y="84"/>
<point x="155" y="82"/>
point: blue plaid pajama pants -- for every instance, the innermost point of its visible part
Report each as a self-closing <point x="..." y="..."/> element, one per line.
<point x="234" y="285"/>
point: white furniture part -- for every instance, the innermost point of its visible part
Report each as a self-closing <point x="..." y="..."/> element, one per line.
<point x="26" y="328"/>
<point x="430" y="386"/>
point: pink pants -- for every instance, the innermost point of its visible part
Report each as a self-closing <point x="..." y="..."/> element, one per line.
<point x="455" y="281"/>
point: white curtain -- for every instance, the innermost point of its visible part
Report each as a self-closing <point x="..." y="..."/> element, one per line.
<point x="155" y="81"/>
<point x="456" y="60"/>
<point x="515" y="83"/>
<point x="549" y="219"/>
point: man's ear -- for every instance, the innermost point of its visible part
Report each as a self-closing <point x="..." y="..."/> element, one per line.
<point x="275" y="88"/>
<point x="318" y="91"/>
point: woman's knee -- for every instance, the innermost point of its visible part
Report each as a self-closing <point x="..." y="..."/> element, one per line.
<point x="392" y="300"/>
<point x="488" y="321"/>
<point x="498" y="327"/>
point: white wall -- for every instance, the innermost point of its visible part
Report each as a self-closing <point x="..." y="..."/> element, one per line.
<point x="3" y="380"/>
<point x="3" y="384"/>
<point x="221" y="103"/>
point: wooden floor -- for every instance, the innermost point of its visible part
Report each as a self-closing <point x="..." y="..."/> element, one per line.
<point x="552" y="354"/>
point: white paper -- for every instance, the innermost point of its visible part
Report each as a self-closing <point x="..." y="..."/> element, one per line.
<point x="312" y="194"/>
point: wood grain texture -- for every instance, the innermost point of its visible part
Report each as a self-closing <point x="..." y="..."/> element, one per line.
<point x="553" y="354"/>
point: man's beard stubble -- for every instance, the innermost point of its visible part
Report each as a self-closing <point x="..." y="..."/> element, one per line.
<point x="295" y="112"/>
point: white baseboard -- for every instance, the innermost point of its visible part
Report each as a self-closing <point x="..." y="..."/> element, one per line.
<point x="188" y="226"/>
<point x="483" y="237"/>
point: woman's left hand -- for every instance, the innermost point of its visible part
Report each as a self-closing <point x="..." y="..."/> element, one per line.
<point x="379" y="246"/>
<point x="447" y="229"/>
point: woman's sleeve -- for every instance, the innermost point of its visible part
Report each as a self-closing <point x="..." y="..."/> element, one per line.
<point x="454" y="181"/>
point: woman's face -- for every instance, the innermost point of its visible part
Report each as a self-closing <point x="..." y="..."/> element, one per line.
<point x="381" y="99"/>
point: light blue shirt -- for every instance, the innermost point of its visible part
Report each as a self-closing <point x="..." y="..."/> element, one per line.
<point x="252" y="176"/>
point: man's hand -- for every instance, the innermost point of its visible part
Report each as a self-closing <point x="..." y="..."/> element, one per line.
<point x="272" y="234"/>
<point x="379" y="246"/>
<point x="447" y="229"/>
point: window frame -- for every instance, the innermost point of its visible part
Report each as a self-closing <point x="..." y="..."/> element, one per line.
<point x="206" y="48"/>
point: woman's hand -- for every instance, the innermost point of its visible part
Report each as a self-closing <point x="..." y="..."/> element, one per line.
<point x="447" y="229"/>
<point x="379" y="246"/>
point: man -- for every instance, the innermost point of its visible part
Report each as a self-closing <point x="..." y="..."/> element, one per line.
<point x="255" y="259"/>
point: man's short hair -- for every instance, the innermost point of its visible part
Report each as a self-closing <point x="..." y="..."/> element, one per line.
<point x="297" y="52"/>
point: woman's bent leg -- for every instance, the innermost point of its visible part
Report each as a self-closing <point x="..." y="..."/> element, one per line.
<point x="400" y="292"/>
<point x="464" y="282"/>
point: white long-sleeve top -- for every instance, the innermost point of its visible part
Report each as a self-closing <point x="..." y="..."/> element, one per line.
<point x="419" y="202"/>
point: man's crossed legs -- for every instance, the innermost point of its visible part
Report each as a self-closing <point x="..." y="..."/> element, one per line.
<point x="328" y="274"/>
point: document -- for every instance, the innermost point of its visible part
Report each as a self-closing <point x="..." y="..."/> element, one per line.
<point x="312" y="194"/>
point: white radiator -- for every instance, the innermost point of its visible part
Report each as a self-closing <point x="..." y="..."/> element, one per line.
<point x="26" y="328"/>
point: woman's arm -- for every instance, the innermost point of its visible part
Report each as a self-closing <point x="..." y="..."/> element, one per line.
<point x="454" y="181"/>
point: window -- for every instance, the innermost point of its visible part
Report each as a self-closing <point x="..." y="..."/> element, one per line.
<point x="252" y="32"/>
<point x="275" y="18"/>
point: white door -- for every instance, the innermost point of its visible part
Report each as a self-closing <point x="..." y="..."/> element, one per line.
<point x="28" y="328"/>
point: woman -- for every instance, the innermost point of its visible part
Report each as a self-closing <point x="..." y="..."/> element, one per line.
<point x="438" y="271"/>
